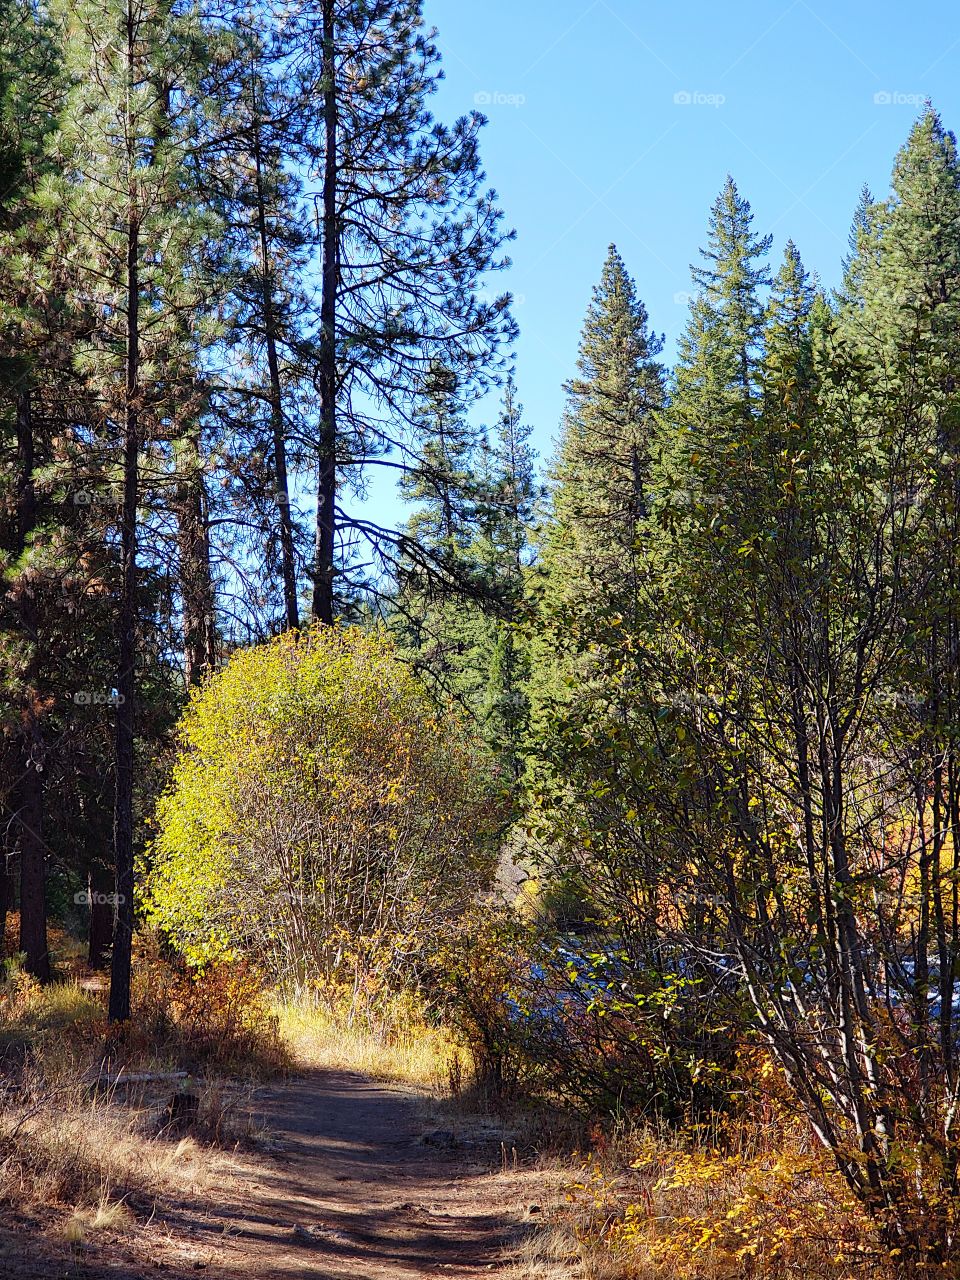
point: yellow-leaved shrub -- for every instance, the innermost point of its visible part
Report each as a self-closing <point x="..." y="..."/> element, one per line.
<point x="323" y="820"/>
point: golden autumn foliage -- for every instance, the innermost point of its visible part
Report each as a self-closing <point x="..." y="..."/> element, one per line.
<point x="760" y="1204"/>
<point x="322" y="820"/>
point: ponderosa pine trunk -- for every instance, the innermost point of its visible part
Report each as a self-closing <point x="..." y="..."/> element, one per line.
<point x="323" y="569"/>
<point x="100" y="932"/>
<point x="7" y="889"/>
<point x="281" y="480"/>
<point x="120" y="969"/>
<point x="196" y="582"/>
<point x="33" y="868"/>
<point x="28" y="794"/>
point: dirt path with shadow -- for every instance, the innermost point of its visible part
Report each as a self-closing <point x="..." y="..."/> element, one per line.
<point x="363" y="1185"/>
<point x="357" y="1182"/>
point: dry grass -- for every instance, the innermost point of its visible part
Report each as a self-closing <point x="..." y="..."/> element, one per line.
<point x="397" y="1047"/>
<point x="551" y="1252"/>
<point x="111" y="1217"/>
<point x="88" y="1158"/>
<point x="62" y="1148"/>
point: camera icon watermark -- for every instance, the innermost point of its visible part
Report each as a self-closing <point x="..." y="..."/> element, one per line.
<point x="98" y="698"/>
<point x="896" y="98"/>
<point x="697" y="98"/>
<point x="97" y="498"/>
<point x="496" y="98"/>
<point x="88" y="898"/>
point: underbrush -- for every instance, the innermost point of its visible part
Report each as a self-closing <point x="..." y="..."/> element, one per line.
<point x="215" y="1022"/>
<point x="699" y="1165"/>
<point x="755" y="1200"/>
<point x="97" y="1123"/>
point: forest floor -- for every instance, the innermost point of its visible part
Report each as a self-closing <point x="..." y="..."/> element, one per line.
<point x="349" y="1178"/>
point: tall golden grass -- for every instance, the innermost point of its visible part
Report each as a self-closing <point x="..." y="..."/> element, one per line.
<point x="398" y="1043"/>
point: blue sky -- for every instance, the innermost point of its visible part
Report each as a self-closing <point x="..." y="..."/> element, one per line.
<point x="588" y="141"/>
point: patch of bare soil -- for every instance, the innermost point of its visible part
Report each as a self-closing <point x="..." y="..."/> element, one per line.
<point x="357" y="1181"/>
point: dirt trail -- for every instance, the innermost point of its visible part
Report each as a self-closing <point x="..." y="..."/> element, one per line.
<point x="357" y="1182"/>
<point x="362" y="1187"/>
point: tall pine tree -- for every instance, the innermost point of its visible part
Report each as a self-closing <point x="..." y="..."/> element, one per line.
<point x="408" y="235"/>
<point x="715" y="394"/>
<point x="600" y="480"/>
<point x="128" y="246"/>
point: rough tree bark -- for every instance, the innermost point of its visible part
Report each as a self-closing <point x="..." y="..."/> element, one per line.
<point x="28" y="794"/>
<point x="127" y="644"/>
<point x="196" y="583"/>
<point x="287" y="558"/>
<point x="323" y="569"/>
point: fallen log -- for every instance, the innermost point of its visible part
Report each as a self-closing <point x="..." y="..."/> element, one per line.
<point x="138" y="1077"/>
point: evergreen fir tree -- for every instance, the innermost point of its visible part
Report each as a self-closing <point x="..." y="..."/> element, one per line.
<point x="907" y="262"/>
<point x="787" y="339"/>
<point x="505" y="713"/>
<point x="600" y="481"/>
<point x="861" y="246"/>
<point x="22" y="723"/>
<point x="731" y="282"/>
<point x="476" y="505"/>
<point x="505" y="550"/>
<point x="715" y="393"/>
<point x="441" y="480"/>
<point x="510" y="487"/>
<point x="592" y="567"/>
